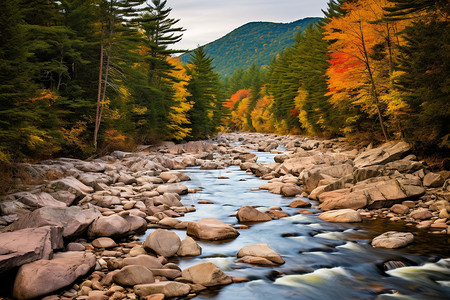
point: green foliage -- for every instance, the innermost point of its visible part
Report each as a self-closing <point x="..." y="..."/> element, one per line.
<point x="253" y="43"/>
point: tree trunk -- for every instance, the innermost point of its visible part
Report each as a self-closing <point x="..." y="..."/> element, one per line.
<point x="100" y="77"/>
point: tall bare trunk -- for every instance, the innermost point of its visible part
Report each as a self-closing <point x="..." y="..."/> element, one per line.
<point x="99" y="111"/>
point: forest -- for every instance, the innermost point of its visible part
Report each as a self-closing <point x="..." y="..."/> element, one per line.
<point x="84" y="77"/>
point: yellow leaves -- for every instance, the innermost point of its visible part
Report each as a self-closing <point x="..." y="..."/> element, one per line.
<point x="46" y="94"/>
<point x="74" y="135"/>
<point x="139" y="110"/>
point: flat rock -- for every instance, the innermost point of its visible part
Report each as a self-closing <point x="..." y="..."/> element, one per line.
<point x="432" y="180"/>
<point x="261" y="250"/>
<point x="393" y="239"/>
<point x="421" y="214"/>
<point x="163" y="242"/>
<point x="173" y="176"/>
<point x="206" y="274"/>
<point x="384" y="154"/>
<point x="179" y="189"/>
<point x="36" y="200"/>
<point x="249" y="214"/>
<point x="211" y="229"/>
<point x="28" y="245"/>
<point x="341" y="216"/>
<point x="133" y="275"/>
<point x="167" y="288"/>
<point x="43" y="277"/>
<point x="71" y="185"/>
<point x="299" y="203"/>
<point x="150" y="262"/>
<point x="104" y="242"/>
<point x="189" y="247"/>
<point x="253" y="260"/>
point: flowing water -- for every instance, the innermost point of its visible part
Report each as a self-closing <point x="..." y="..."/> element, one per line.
<point x="323" y="260"/>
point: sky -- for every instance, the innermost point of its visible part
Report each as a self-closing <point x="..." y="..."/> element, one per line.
<point x="208" y="20"/>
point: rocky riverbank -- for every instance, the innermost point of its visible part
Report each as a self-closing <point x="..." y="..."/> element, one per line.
<point x="76" y="236"/>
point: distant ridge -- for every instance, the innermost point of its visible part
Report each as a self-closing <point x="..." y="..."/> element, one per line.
<point x="254" y="42"/>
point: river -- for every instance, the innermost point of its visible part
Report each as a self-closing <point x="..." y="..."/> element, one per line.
<point x="322" y="260"/>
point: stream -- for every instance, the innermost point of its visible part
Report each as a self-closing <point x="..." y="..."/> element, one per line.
<point x="323" y="260"/>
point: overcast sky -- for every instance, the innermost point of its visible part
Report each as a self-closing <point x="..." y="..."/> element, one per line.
<point x="208" y="20"/>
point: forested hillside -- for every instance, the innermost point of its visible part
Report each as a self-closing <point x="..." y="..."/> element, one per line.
<point x="372" y="70"/>
<point x="253" y="43"/>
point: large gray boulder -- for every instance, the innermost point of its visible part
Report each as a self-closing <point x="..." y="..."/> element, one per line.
<point x="74" y="220"/>
<point x="384" y="154"/>
<point x="206" y="274"/>
<point x="211" y="229"/>
<point x="393" y="239"/>
<point x="43" y="277"/>
<point x="27" y="245"/>
<point x="163" y="242"/>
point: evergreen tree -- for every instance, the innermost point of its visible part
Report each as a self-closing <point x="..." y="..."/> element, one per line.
<point x="203" y="89"/>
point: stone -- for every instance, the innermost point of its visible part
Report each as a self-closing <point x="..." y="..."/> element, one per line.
<point x="189" y="247"/>
<point x="421" y="214"/>
<point x="393" y="239"/>
<point x="104" y="242"/>
<point x="400" y="209"/>
<point x="97" y="295"/>
<point x="75" y="247"/>
<point x="43" y="277"/>
<point x="27" y="245"/>
<point x="71" y="185"/>
<point x="384" y="154"/>
<point x="261" y="250"/>
<point x="170" y="176"/>
<point x="432" y="180"/>
<point x="169" y="199"/>
<point x="253" y="260"/>
<point x="163" y="242"/>
<point x="341" y="216"/>
<point x="126" y="178"/>
<point x="249" y="214"/>
<point x="299" y="203"/>
<point x="207" y="274"/>
<point x="116" y="226"/>
<point x="167" y="288"/>
<point x="179" y="189"/>
<point x="211" y="229"/>
<point x="169" y="222"/>
<point x="155" y="297"/>
<point x="168" y="273"/>
<point x="133" y="275"/>
<point x="74" y="219"/>
<point x="290" y="190"/>
<point x="35" y="200"/>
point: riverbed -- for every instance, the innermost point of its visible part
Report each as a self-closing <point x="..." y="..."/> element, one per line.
<point x="322" y="260"/>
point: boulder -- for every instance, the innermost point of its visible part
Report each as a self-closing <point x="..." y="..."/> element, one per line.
<point x="261" y="250"/>
<point x="179" y="189"/>
<point x="168" y="288"/>
<point x="104" y="242"/>
<point x="249" y="214"/>
<point x="169" y="199"/>
<point x="206" y="274"/>
<point x="74" y="220"/>
<point x="291" y="190"/>
<point x="35" y="200"/>
<point x="43" y="277"/>
<point x="384" y="154"/>
<point x="163" y="242"/>
<point x="421" y="214"/>
<point x="189" y="247"/>
<point x="299" y="203"/>
<point x="173" y="176"/>
<point x="27" y="245"/>
<point x="341" y="216"/>
<point x="150" y="262"/>
<point x="211" y="229"/>
<point x="13" y="208"/>
<point x="71" y="185"/>
<point x="400" y="209"/>
<point x="133" y="275"/>
<point x="127" y="178"/>
<point x="393" y="239"/>
<point x="116" y="226"/>
<point x="253" y="260"/>
<point x="272" y="187"/>
<point x="430" y="180"/>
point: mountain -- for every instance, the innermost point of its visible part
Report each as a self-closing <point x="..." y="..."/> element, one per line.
<point x="255" y="42"/>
